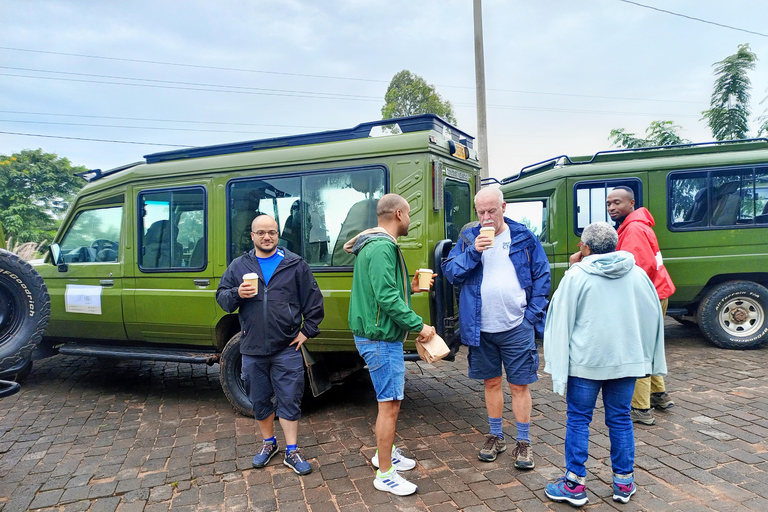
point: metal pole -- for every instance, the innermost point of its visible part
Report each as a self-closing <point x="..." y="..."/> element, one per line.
<point x="482" y="126"/>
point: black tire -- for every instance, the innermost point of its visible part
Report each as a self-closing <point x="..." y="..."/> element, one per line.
<point x="24" y="310"/>
<point x="733" y="315"/>
<point x="229" y="376"/>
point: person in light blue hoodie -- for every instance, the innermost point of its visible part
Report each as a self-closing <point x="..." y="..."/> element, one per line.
<point x="604" y="329"/>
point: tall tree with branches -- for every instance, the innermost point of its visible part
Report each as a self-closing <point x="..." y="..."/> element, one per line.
<point x="409" y="95"/>
<point x="659" y="133"/>
<point x="728" y="114"/>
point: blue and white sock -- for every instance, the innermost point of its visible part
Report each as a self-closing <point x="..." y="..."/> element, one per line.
<point x="271" y="440"/>
<point x="291" y="448"/>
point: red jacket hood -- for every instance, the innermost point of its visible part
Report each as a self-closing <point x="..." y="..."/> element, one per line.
<point x="640" y="215"/>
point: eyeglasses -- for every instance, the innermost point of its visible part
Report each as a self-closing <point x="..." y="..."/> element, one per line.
<point x="580" y="244"/>
<point x="260" y="233"/>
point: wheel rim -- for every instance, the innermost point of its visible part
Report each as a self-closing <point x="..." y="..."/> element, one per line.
<point x="741" y="317"/>
<point x="9" y="309"/>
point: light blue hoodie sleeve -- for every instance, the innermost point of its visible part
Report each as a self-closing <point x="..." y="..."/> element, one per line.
<point x="558" y="328"/>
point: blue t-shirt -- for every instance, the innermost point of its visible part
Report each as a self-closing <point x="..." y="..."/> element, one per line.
<point x="268" y="265"/>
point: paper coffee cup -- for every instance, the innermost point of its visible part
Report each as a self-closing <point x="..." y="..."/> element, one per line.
<point x="252" y="278"/>
<point x="425" y="276"/>
<point x="490" y="232"/>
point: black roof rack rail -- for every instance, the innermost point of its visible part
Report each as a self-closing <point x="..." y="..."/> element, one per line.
<point x="95" y="174"/>
<point x="567" y="159"/>
<point x="407" y="124"/>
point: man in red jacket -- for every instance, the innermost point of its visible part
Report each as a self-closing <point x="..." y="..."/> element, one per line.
<point x="635" y="229"/>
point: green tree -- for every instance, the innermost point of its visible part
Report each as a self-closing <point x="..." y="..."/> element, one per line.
<point x="35" y="191"/>
<point x="410" y="95"/>
<point x="659" y="133"/>
<point x="728" y="114"/>
<point x="763" y="128"/>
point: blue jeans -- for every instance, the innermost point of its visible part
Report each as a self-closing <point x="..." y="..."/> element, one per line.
<point x="581" y="397"/>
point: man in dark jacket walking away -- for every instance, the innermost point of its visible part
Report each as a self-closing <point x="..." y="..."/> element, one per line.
<point x="276" y="318"/>
<point x="380" y="317"/>
<point x="504" y="278"/>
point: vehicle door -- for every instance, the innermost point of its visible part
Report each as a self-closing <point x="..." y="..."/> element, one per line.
<point x="171" y="296"/>
<point x="316" y="213"/>
<point x="86" y="289"/>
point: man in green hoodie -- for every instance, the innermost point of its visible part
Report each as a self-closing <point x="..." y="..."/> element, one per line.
<point x="380" y="317"/>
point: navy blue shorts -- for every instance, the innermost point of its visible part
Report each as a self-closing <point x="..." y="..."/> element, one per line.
<point x="275" y="383"/>
<point x="515" y="349"/>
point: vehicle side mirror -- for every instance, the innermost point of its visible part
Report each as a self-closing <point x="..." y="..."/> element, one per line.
<point x="56" y="257"/>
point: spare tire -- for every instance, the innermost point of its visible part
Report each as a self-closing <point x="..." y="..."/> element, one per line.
<point x="24" y="310"/>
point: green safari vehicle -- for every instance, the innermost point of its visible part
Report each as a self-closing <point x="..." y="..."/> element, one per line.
<point x="135" y="266"/>
<point x="710" y="204"/>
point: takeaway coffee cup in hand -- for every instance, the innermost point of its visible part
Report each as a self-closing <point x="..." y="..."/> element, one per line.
<point x="425" y="276"/>
<point x="490" y="232"/>
<point x="252" y="278"/>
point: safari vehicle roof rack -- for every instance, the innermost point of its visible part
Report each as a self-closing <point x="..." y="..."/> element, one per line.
<point x="563" y="160"/>
<point x="95" y="174"/>
<point x="407" y="124"/>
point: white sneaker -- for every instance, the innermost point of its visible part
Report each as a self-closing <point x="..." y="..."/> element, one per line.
<point x="394" y="483"/>
<point x="400" y="461"/>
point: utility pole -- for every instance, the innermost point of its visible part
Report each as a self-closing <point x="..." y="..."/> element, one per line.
<point x="482" y="126"/>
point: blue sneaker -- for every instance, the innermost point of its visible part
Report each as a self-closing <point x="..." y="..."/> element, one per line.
<point x="565" y="490"/>
<point x="622" y="492"/>
<point x="268" y="450"/>
<point x="297" y="463"/>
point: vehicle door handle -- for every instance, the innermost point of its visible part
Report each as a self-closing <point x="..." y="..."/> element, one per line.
<point x="202" y="282"/>
<point x="107" y="282"/>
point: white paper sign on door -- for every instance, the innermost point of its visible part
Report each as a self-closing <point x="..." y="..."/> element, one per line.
<point x="82" y="299"/>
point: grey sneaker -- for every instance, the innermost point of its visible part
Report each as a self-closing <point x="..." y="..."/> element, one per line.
<point x="523" y="455"/>
<point x="661" y="401"/>
<point x="643" y="416"/>
<point x="492" y="447"/>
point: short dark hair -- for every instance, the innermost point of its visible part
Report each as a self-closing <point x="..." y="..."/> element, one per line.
<point x="628" y="189"/>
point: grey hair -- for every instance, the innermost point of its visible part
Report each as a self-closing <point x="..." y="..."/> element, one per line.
<point x="488" y="191"/>
<point x="600" y="237"/>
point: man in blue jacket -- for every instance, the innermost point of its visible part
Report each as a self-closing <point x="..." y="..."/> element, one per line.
<point x="275" y="320"/>
<point x="504" y="287"/>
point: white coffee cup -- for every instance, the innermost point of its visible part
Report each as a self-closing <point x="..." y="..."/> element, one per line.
<point x="425" y="276"/>
<point x="252" y="278"/>
<point x="490" y="232"/>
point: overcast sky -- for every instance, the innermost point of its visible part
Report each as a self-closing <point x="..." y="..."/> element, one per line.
<point x="560" y="74"/>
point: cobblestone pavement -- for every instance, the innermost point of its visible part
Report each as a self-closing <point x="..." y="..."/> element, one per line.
<point x="85" y="434"/>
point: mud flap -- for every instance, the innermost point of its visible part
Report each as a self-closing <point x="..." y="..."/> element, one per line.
<point x="319" y="378"/>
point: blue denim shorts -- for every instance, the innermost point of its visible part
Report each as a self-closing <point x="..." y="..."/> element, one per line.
<point x="515" y="349"/>
<point x="386" y="365"/>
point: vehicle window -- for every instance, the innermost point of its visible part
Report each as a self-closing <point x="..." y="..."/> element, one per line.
<point x="589" y="200"/>
<point x="531" y="213"/>
<point x="277" y="197"/>
<point x="715" y="199"/>
<point x="458" y="208"/>
<point x="94" y="236"/>
<point x="172" y="228"/>
<point x="316" y="214"/>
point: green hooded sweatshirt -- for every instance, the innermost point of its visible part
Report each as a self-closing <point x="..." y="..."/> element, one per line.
<point x="380" y="303"/>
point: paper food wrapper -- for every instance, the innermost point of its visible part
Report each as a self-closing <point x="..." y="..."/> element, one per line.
<point x="433" y="350"/>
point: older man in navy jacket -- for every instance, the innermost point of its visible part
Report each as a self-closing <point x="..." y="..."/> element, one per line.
<point x="504" y="287"/>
